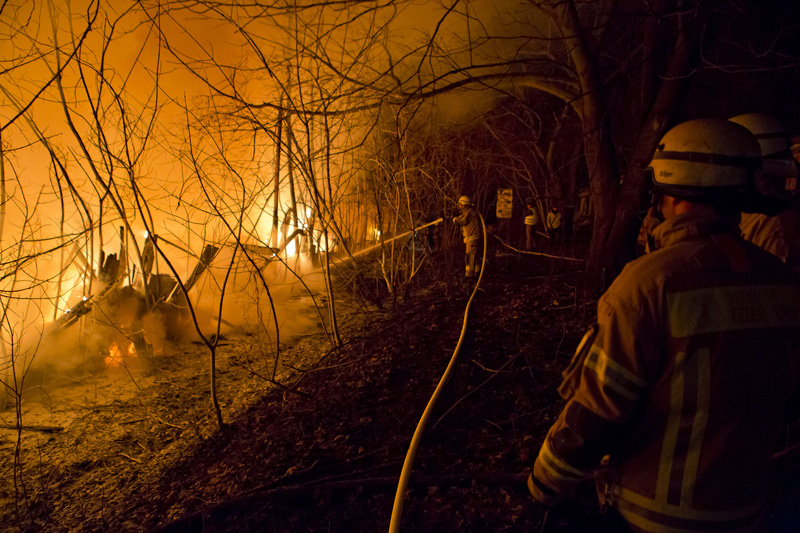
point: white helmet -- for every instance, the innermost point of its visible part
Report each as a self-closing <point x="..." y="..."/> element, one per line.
<point x="771" y="135"/>
<point x="777" y="161"/>
<point x="711" y="161"/>
<point x="465" y="201"/>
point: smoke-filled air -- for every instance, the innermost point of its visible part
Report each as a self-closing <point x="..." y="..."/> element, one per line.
<point x="269" y="218"/>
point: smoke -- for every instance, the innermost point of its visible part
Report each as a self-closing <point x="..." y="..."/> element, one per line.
<point x="234" y="164"/>
<point x="253" y="302"/>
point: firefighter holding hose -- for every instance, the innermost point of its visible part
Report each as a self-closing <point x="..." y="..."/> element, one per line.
<point x="470" y="224"/>
<point x="674" y="398"/>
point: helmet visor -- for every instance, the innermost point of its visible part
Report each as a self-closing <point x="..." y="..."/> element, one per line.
<point x="744" y="199"/>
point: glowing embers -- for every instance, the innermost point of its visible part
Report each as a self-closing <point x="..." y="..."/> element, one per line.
<point x="116" y="356"/>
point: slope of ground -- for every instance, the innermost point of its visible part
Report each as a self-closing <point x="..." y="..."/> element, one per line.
<point x="326" y="454"/>
<point x="330" y="462"/>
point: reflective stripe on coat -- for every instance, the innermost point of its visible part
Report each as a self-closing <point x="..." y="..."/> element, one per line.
<point x="684" y="383"/>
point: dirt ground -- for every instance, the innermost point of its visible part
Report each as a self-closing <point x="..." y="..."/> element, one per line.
<point x="140" y="451"/>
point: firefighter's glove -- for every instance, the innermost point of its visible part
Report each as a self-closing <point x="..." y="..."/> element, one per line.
<point x="542" y="493"/>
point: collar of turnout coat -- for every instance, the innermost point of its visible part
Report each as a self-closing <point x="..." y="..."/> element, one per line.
<point x="693" y="224"/>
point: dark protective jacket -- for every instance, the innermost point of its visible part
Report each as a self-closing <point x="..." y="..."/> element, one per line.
<point x="682" y="385"/>
<point x="779" y="234"/>
<point x="766" y="232"/>
<point x="470" y="224"/>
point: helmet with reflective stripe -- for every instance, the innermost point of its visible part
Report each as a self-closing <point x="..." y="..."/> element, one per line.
<point x="769" y="131"/>
<point x="777" y="163"/>
<point x="465" y="201"/>
<point x="711" y="160"/>
<point x="705" y="154"/>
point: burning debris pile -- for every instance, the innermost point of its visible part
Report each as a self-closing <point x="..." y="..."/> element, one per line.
<point x="110" y="326"/>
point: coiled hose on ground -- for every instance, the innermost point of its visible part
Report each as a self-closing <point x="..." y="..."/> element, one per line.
<point x="405" y="474"/>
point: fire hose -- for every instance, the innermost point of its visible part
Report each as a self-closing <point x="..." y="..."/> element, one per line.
<point x="405" y="474"/>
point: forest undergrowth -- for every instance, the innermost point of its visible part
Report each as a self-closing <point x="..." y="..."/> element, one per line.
<point x="325" y="453"/>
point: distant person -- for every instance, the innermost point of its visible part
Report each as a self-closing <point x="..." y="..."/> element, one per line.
<point x="583" y="219"/>
<point x="470" y="223"/>
<point x="675" y="397"/>
<point x="780" y="234"/>
<point x="531" y="221"/>
<point x="554" y="226"/>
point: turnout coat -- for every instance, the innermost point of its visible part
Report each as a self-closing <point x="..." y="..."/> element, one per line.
<point x="681" y="387"/>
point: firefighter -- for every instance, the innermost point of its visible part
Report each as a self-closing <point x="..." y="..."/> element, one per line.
<point x="531" y="221"/>
<point x="554" y="226"/>
<point x="470" y="224"/>
<point x="779" y="235"/>
<point x="674" y="397"/>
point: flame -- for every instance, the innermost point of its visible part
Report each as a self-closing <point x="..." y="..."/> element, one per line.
<point x="291" y="248"/>
<point x="115" y="356"/>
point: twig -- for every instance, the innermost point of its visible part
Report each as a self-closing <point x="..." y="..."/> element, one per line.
<point x="292" y="389"/>
<point x="45" y="429"/>
<point x="298" y="369"/>
<point x="475" y="389"/>
<point x="492" y="423"/>
<point x="484" y="368"/>
<point x="558" y="349"/>
<point x="786" y="451"/>
<point x="126" y="456"/>
<point x="278" y="384"/>
<point x="168" y="424"/>
<point x="132" y="421"/>
<point x="537" y="253"/>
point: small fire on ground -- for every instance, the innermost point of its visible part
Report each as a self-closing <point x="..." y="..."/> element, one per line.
<point x="115" y="357"/>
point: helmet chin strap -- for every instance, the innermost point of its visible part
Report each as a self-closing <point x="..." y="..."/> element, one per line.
<point x="655" y="205"/>
<point x="655" y="211"/>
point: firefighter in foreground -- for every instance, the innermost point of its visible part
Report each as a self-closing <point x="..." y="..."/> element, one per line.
<point x="675" y="396"/>
<point x="470" y="224"/>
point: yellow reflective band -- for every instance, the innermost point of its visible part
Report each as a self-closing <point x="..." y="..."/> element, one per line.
<point x="670" y="433"/>
<point x="649" y="525"/>
<point x="645" y="524"/>
<point x="558" y="467"/>
<point x="703" y="362"/>
<point x="733" y="308"/>
<point x="611" y="373"/>
<point x="687" y="513"/>
<point x="621" y="370"/>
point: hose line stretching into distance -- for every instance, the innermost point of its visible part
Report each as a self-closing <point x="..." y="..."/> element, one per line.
<point x="405" y="474"/>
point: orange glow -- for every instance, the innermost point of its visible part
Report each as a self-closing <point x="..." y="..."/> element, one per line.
<point x="115" y="356"/>
<point x="291" y="246"/>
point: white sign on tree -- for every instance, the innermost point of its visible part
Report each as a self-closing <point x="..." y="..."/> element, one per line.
<point x="505" y="202"/>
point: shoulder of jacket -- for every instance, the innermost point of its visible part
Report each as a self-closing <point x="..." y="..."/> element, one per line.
<point x="644" y="275"/>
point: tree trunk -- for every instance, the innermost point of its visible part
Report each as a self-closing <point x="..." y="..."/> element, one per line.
<point x="601" y="162"/>
<point x="620" y="247"/>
